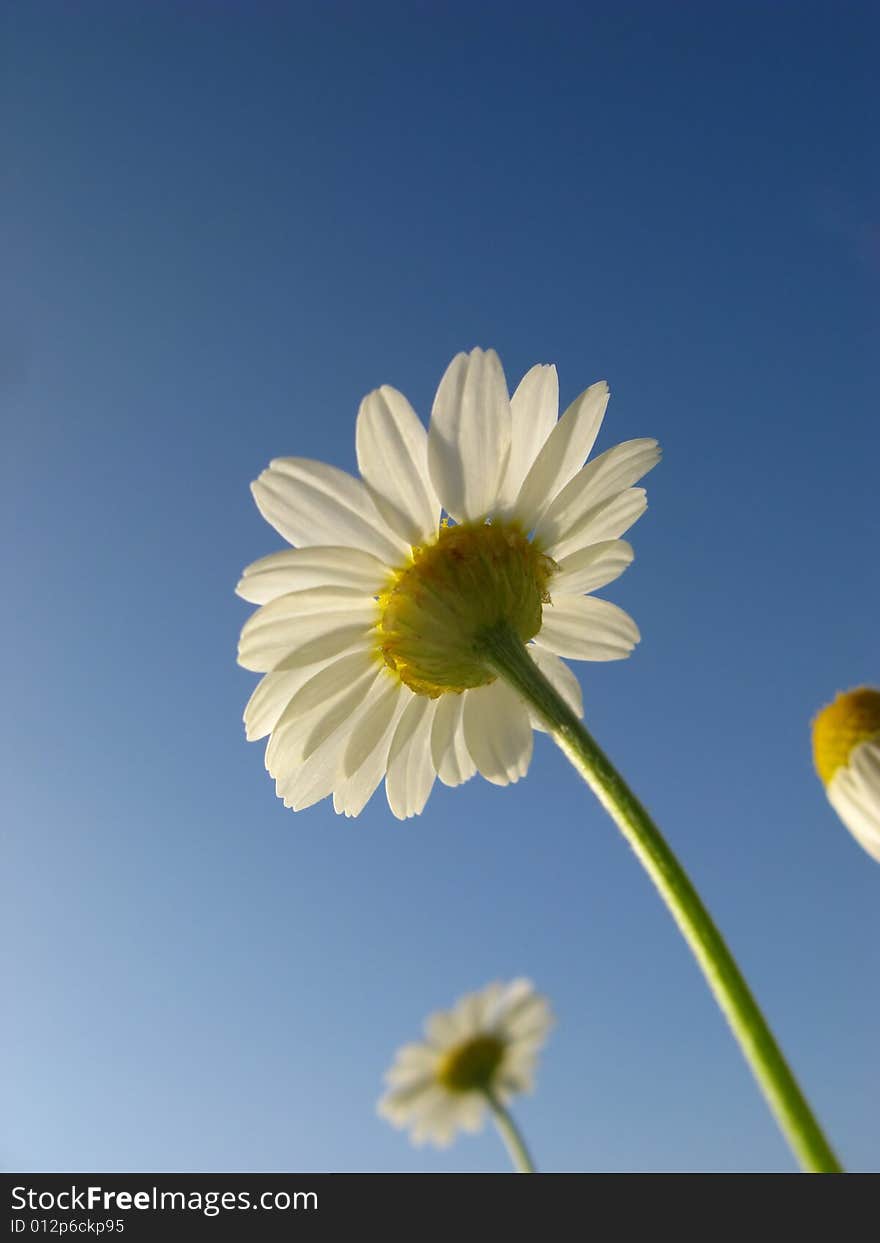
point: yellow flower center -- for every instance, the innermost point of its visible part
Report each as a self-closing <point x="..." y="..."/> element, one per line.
<point x="470" y="1067"/>
<point x="435" y="609"/>
<point x="852" y="718"/>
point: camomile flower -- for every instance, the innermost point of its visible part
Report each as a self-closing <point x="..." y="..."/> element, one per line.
<point x="475" y="1056"/>
<point x="846" y="752"/>
<point x="370" y="628"/>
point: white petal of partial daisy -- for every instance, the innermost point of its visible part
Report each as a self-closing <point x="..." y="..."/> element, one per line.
<point x="498" y="733"/>
<point x="860" y="819"/>
<point x="854" y="796"/>
<point x="586" y="628"/>
<point x="411" y="774"/>
<point x="864" y="763"/>
<point x="561" y="678"/>
<point x="564" y="453"/>
<point x="374" y="731"/>
<point x="608" y="520"/>
<point x="297" y="569"/>
<point x="319" y="706"/>
<point x="534" y="408"/>
<point x="592" y="567"/>
<point x="449" y="751"/>
<point x="605" y="477"/>
<point x="291" y="641"/>
<point x="469" y="436"/>
<point x="312" y="503"/>
<point x="392" y="453"/>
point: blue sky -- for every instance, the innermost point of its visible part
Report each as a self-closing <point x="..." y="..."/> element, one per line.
<point x="225" y="224"/>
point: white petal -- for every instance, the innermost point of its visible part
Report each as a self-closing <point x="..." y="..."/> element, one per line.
<point x="441" y="1028"/>
<point x="337" y="640"/>
<point x="400" y="1106"/>
<point x="605" y="477"/>
<point x="608" y="520"/>
<point x="854" y="793"/>
<point x="534" y="408"/>
<point x="561" y="678"/>
<point x="468" y="1013"/>
<point x="469" y="436"/>
<point x="448" y="748"/>
<point x="321" y="772"/>
<point x="564" y="453"/>
<point x="327" y="699"/>
<point x="410" y="775"/>
<point x="471" y="1112"/>
<point x="489" y="999"/>
<point x="864" y="762"/>
<point x="392" y="452"/>
<point x="498" y="733"/>
<point x="315" y="778"/>
<point x="296" y="569"/>
<point x="410" y="1059"/>
<point x="312" y="503"/>
<point x="592" y="567"/>
<point x="527" y="1020"/>
<point x="298" y="628"/>
<point x="374" y="731"/>
<point x="586" y="628"/>
<point x="373" y="721"/>
<point x="435" y="1121"/>
<point x="296" y="604"/>
<point x="272" y="695"/>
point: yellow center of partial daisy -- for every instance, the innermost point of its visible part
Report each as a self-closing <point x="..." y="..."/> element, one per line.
<point x="435" y="609"/>
<point x="470" y="1067"/>
<point x="852" y="718"/>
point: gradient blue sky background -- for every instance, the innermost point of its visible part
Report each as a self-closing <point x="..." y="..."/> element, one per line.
<point x="225" y="224"/>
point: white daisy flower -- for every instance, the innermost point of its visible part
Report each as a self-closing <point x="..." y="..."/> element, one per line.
<point x="368" y="630"/>
<point x="476" y="1055"/>
<point x="846" y="752"/>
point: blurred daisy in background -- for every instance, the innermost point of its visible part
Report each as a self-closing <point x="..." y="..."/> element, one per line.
<point x="368" y="630"/>
<point x="846" y="752"/>
<point x="474" y="1057"/>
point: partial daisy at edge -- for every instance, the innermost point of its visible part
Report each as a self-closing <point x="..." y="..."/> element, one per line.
<point x="364" y="628"/>
<point x="846" y="754"/>
<point x="488" y="1043"/>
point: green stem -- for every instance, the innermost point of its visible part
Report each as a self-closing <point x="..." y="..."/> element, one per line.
<point x="508" y="656"/>
<point x="509" y="1131"/>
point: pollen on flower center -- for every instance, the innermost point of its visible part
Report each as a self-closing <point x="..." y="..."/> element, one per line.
<point x="435" y="609"/>
<point x="470" y="1067"/>
<point x="852" y="718"/>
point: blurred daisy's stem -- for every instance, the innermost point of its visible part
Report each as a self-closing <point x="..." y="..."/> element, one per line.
<point x="513" y="1141"/>
<point x="507" y="655"/>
